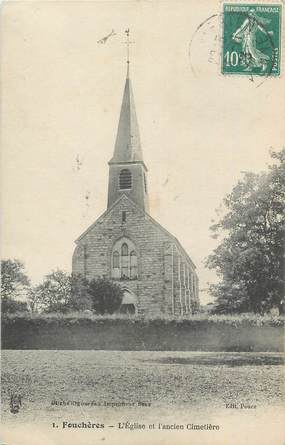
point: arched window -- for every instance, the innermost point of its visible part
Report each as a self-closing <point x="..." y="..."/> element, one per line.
<point x="116" y="259"/>
<point x="124" y="260"/>
<point x="124" y="249"/>
<point x="125" y="179"/>
<point x="133" y="264"/>
<point x="116" y="264"/>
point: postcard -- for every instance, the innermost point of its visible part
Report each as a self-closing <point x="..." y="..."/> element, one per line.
<point x="143" y="203"/>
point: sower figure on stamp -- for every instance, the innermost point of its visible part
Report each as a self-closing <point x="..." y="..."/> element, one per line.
<point x="246" y="33"/>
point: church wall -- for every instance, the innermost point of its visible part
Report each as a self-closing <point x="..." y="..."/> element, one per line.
<point x="159" y="282"/>
<point x="179" y="276"/>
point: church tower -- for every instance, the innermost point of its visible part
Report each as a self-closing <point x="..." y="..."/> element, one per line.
<point x="127" y="170"/>
<point x="125" y="244"/>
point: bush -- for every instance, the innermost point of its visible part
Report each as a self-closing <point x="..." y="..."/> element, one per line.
<point x="243" y="320"/>
<point x="118" y="332"/>
<point x="80" y="300"/>
<point x="11" y="306"/>
<point x="106" y="296"/>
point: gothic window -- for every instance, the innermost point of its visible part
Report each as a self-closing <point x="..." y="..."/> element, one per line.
<point x="116" y="260"/>
<point x="116" y="264"/>
<point x="192" y="283"/>
<point x="194" y="288"/>
<point x="125" y="179"/>
<point x="124" y="249"/>
<point x="188" y="280"/>
<point x="124" y="260"/>
<point x="184" y="275"/>
<point x="133" y="264"/>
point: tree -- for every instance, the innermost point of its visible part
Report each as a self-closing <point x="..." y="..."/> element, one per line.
<point x="60" y="292"/>
<point x="250" y="257"/>
<point x="9" y="305"/>
<point x="106" y="296"/>
<point x="14" y="285"/>
<point x="53" y="294"/>
<point x="34" y="299"/>
<point x="80" y="299"/>
<point x="13" y="279"/>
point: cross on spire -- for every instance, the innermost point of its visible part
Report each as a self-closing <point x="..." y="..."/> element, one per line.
<point x="128" y="43"/>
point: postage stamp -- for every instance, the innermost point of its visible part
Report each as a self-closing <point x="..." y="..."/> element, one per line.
<point x="251" y="39"/>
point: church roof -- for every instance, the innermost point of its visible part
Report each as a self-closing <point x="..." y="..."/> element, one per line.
<point x="127" y="146"/>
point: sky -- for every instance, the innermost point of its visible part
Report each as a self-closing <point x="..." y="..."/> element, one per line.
<point x="61" y="97"/>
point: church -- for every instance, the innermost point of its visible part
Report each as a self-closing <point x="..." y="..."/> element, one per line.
<point x="127" y="245"/>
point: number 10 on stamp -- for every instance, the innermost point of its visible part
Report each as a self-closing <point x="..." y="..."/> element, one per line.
<point x="252" y="39"/>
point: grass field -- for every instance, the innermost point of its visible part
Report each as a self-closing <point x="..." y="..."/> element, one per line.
<point x="190" y="382"/>
<point x="142" y="387"/>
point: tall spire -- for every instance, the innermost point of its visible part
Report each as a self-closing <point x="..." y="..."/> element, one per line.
<point x="127" y="173"/>
<point x="128" y="146"/>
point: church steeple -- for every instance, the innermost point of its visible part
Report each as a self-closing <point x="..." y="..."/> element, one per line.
<point x="127" y="173"/>
<point x="128" y="145"/>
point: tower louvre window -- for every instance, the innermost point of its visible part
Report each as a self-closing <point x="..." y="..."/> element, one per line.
<point x="125" y="179"/>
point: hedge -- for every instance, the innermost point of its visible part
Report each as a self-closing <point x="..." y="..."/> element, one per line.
<point x="87" y="331"/>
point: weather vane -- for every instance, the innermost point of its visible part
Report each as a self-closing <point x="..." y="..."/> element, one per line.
<point x="128" y="43"/>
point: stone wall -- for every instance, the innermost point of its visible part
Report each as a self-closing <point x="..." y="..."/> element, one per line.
<point x="165" y="273"/>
